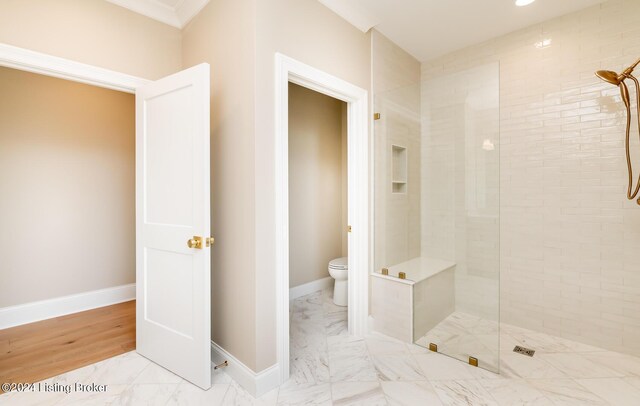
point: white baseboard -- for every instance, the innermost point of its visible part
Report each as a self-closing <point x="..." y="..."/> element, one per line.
<point x="46" y="309"/>
<point x="257" y="384"/>
<point x="310" y="287"/>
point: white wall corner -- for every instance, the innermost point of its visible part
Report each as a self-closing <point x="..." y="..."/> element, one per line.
<point x="46" y="309"/>
<point x="256" y="383"/>
<point x="310" y="287"/>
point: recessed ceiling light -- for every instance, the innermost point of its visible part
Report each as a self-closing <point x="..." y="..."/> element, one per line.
<point x="524" y="2"/>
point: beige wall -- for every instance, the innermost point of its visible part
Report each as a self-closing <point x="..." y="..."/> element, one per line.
<point x="223" y="35"/>
<point x="309" y="32"/>
<point x="316" y="178"/>
<point x="569" y="238"/>
<point x="242" y="111"/>
<point x="67" y="178"/>
<point x="94" y="32"/>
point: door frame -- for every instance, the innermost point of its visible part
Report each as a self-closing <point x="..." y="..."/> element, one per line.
<point x="290" y="70"/>
<point x="49" y="65"/>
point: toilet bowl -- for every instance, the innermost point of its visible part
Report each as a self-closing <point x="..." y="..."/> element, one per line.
<point x="338" y="269"/>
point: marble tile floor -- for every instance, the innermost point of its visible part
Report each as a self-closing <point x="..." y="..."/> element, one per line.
<point x="462" y="335"/>
<point x="328" y="367"/>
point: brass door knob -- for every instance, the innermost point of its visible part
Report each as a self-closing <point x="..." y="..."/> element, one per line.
<point x="195" y="242"/>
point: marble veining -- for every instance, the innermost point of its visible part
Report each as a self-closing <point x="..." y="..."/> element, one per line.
<point x="329" y="367"/>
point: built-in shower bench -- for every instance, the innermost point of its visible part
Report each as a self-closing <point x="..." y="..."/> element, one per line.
<point x="408" y="308"/>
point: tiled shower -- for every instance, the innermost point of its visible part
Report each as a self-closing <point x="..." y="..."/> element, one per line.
<point x="515" y="171"/>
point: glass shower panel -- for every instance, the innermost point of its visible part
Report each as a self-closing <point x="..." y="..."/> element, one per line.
<point x="437" y="208"/>
<point x="461" y="184"/>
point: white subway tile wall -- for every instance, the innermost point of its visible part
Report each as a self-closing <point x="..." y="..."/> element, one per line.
<point x="570" y="241"/>
<point x="396" y="82"/>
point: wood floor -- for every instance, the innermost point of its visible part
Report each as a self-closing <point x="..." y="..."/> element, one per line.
<point x="47" y="348"/>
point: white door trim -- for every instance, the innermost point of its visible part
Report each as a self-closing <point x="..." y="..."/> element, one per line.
<point x="289" y="70"/>
<point x="49" y="65"/>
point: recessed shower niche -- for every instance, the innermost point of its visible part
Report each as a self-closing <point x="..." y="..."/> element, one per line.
<point x="399" y="169"/>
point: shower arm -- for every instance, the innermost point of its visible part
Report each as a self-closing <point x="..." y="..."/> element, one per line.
<point x="627" y="72"/>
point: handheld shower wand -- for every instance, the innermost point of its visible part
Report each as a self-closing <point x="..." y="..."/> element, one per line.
<point x="618" y="80"/>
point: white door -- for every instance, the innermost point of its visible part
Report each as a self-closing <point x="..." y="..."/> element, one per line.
<point x="173" y="263"/>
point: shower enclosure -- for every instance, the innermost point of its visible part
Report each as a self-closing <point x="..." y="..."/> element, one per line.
<point x="437" y="199"/>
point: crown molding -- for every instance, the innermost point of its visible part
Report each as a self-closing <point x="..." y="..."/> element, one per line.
<point x="177" y="16"/>
<point x="188" y="9"/>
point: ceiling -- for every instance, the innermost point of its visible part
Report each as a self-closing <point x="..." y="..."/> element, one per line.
<point x="173" y="12"/>
<point x="170" y="3"/>
<point x="431" y="28"/>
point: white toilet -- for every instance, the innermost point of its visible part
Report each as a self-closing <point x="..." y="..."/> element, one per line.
<point x="339" y="270"/>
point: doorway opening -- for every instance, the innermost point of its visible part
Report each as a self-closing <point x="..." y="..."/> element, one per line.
<point x="289" y="73"/>
<point x="318" y="229"/>
<point x="67" y="172"/>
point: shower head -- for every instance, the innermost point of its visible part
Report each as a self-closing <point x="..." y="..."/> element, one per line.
<point x="618" y="80"/>
<point x="610" y="77"/>
<point x="615" y="79"/>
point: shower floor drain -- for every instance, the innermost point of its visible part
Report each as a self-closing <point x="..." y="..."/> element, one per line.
<point x="524" y="351"/>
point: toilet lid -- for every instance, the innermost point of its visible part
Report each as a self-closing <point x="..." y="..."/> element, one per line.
<point x="338" y="263"/>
